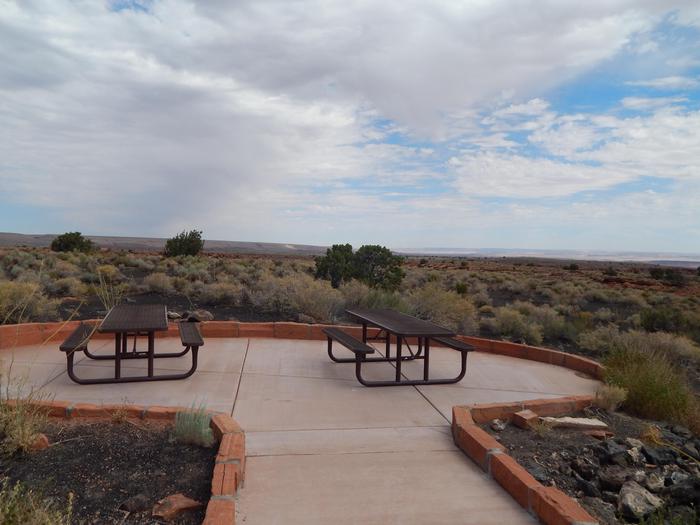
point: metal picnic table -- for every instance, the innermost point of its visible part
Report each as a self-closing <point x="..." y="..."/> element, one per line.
<point x="402" y="327"/>
<point x="125" y="320"/>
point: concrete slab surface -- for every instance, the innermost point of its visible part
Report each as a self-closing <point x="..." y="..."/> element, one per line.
<point x="321" y="447"/>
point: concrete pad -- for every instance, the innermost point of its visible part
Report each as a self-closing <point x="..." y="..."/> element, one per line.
<point x="217" y="355"/>
<point x="47" y="353"/>
<point x="286" y="357"/>
<point x="351" y="441"/>
<point x="23" y="378"/>
<point x="292" y="403"/>
<point x="216" y="391"/>
<point x="377" y="488"/>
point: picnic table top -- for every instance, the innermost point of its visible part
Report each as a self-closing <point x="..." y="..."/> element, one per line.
<point x="135" y="318"/>
<point x="398" y="323"/>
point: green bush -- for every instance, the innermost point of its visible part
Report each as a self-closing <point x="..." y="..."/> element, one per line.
<point x="663" y="319"/>
<point x="337" y="265"/>
<point x="671" y="276"/>
<point x="192" y="427"/>
<point x="184" y="243"/>
<point x="374" y="265"/>
<point x="512" y="324"/>
<point x="20" y="505"/>
<point x="448" y="308"/>
<point x="71" y="242"/>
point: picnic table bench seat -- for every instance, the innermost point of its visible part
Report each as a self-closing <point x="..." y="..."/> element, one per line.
<point x="78" y="339"/>
<point x="348" y="341"/>
<point x="189" y="334"/>
<point x="455" y="344"/>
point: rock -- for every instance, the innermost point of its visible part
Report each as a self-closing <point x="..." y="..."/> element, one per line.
<point x="690" y="449"/>
<point x="639" y="476"/>
<point x="608" y="449"/>
<point x="498" y="425"/>
<point x="636" y="456"/>
<point x="539" y="473"/>
<point x="198" y="315"/>
<point x="613" y="477"/>
<point x="585" y="468"/>
<point x="525" y="419"/>
<point x="136" y="503"/>
<point x="174" y="315"/>
<point x="610" y="497"/>
<point x="588" y="488"/>
<point x="682" y="431"/>
<point x="584" y="423"/>
<point x="303" y="318"/>
<point x="636" y="502"/>
<point x="41" y="442"/>
<point x="678" y="477"/>
<point x="654" y="481"/>
<point x="634" y="443"/>
<point x="684" y="493"/>
<point x="599" y="434"/>
<point x="169" y="507"/>
<point x="681" y="514"/>
<point x="605" y="512"/>
<point x="658" y="455"/>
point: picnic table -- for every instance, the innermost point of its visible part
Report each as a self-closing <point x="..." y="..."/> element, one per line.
<point x="402" y="327"/>
<point x="130" y="320"/>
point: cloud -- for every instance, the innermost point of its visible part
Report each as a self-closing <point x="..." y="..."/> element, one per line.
<point x="667" y="83"/>
<point x="312" y="121"/>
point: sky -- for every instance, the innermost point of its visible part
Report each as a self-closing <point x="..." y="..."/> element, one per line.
<point x="468" y="124"/>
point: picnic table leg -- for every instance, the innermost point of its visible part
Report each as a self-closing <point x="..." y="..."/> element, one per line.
<point x="117" y="355"/>
<point x="426" y="360"/>
<point x="388" y="344"/>
<point x="364" y="333"/>
<point x="151" y="351"/>
<point x="398" y="358"/>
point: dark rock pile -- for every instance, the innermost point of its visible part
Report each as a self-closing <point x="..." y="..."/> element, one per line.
<point x="626" y="480"/>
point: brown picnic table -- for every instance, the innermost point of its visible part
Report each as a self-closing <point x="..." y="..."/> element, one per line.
<point x="401" y="327"/>
<point x="129" y="320"/>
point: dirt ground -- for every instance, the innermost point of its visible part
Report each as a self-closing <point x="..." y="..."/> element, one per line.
<point x="104" y="464"/>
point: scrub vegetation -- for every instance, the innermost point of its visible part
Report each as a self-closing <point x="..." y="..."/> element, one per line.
<point x="642" y="321"/>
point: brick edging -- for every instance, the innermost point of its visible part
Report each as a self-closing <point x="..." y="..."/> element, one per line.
<point x="53" y="333"/>
<point x="549" y="504"/>
<point x="229" y="465"/>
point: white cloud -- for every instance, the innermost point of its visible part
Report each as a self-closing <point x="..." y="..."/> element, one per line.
<point x="672" y="82"/>
<point x="642" y="103"/>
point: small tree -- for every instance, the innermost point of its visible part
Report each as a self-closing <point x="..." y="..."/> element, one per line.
<point x="184" y="243"/>
<point x="71" y="242"/>
<point x="336" y="265"/>
<point x="378" y="267"/>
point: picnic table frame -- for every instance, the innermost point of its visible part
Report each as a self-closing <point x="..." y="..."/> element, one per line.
<point x="401" y="327"/>
<point x="125" y="320"/>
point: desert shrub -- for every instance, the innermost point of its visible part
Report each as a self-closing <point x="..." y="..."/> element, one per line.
<point x="63" y="269"/>
<point x="68" y="286"/>
<point x="71" y="242"/>
<point x="444" y="307"/>
<point x="610" y="397"/>
<point x="20" y="505"/>
<point x="192" y="427"/>
<point x="109" y="272"/>
<point x="158" y="283"/>
<point x="603" y="315"/>
<point x="374" y="265"/>
<point x="600" y="340"/>
<point x="184" y="243"/>
<point x="358" y="295"/>
<point x="671" y="276"/>
<point x="571" y="267"/>
<point x="553" y="326"/>
<point x="461" y="288"/>
<point x="220" y="293"/>
<point x="315" y="299"/>
<point x="656" y="387"/>
<point x="21" y="302"/>
<point x="663" y="319"/>
<point x="510" y="323"/>
<point x="337" y="265"/>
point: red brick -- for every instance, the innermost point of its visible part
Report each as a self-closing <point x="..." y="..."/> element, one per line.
<point x="481" y="344"/>
<point x="488" y="411"/>
<point x="477" y="443"/>
<point x="514" y="478"/>
<point x="166" y="413"/>
<point x="256" y="330"/>
<point x="222" y="424"/>
<point x="232" y="446"/>
<point x="525" y="419"/>
<point x="292" y="330"/>
<point x="220" y="328"/>
<point x="316" y="332"/>
<point x="551" y="407"/>
<point x="553" y="507"/>
<point x="461" y="416"/>
<point x="509" y="349"/>
<point x="225" y="479"/>
<point x="87" y="410"/>
<point x="220" y="511"/>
